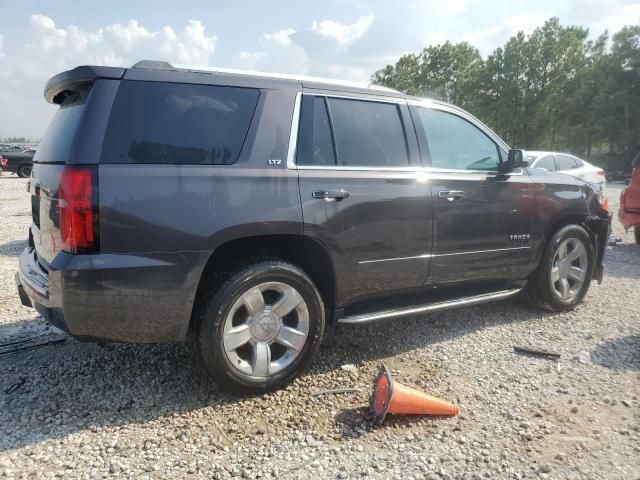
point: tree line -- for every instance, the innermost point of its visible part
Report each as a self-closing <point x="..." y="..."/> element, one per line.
<point x="555" y="89"/>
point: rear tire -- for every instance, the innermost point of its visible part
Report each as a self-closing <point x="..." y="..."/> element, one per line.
<point x="24" y="171"/>
<point x="564" y="274"/>
<point x="636" y="233"/>
<point x="260" y="327"/>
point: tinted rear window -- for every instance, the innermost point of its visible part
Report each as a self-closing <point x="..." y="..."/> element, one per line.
<point x="315" y="144"/>
<point x="56" y="144"/>
<point x="172" y="123"/>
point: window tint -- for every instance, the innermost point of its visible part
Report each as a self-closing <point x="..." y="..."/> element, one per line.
<point x="565" y="162"/>
<point x="171" y="123"/>
<point x="315" y="145"/>
<point x="56" y="144"/>
<point x="457" y="144"/>
<point x="368" y="134"/>
<point x="547" y="163"/>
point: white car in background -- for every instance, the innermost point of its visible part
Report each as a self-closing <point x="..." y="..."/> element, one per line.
<point x="569" y="165"/>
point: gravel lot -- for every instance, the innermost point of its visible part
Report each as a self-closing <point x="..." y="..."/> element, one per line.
<point x="78" y="410"/>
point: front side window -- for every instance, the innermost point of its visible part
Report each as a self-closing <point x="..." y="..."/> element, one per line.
<point x="368" y="134"/>
<point x="455" y="143"/>
<point x="173" y="123"/>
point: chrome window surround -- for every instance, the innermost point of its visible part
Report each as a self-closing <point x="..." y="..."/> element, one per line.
<point x="426" y="103"/>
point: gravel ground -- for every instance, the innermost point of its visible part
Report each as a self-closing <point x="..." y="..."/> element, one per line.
<point x="78" y="410"/>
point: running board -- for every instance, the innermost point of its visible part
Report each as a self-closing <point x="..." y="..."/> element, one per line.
<point x="430" y="307"/>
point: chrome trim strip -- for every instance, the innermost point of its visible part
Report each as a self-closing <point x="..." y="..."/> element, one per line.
<point x="366" y="97"/>
<point x="293" y="134"/>
<point x="430" y="307"/>
<point x="427" y="255"/>
<point x="481" y="251"/>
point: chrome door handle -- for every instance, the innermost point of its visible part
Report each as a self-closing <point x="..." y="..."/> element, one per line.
<point x="331" y="195"/>
<point x="451" y="195"/>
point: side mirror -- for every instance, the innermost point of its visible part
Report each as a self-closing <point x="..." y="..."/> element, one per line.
<point x="516" y="159"/>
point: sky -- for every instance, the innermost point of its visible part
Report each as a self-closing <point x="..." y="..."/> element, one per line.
<point x="347" y="39"/>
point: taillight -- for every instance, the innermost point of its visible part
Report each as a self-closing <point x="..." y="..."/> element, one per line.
<point x="76" y="215"/>
<point x="601" y="173"/>
<point x="3" y="161"/>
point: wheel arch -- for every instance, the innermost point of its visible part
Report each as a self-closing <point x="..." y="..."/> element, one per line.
<point x="595" y="227"/>
<point x="301" y="250"/>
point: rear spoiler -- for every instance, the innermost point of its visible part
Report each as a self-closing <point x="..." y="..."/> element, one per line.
<point x="61" y="85"/>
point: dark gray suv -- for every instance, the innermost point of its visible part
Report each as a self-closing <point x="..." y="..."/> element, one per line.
<point x="248" y="213"/>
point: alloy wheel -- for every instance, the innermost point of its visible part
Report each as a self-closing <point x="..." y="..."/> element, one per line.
<point x="569" y="268"/>
<point x="266" y="329"/>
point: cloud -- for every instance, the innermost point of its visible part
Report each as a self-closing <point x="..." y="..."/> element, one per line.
<point x="1" y="45"/>
<point x="283" y="37"/>
<point x="341" y="33"/>
<point x="290" y="50"/>
<point x="121" y="44"/>
<point x="278" y="53"/>
<point x="49" y="49"/>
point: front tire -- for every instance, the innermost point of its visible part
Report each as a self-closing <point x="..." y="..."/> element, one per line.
<point x="636" y="233"/>
<point x="564" y="275"/>
<point x="260" y="327"/>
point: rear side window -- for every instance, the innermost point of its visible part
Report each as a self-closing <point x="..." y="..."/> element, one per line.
<point x="368" y="134"/>
<point x="548" y="163"/>
<point x="56" y="144"/>
<point x="565" y="162"/>
<point x="315" y="144"/>
<point x="172" y="123"/>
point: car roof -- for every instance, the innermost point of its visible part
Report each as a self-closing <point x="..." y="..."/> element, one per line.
<point x="307" y="81"/>
<point x="539" y="153"/>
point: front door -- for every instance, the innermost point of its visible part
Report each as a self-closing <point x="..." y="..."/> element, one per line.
<point x="363" y="196"/>
<point x="483" y="220"/>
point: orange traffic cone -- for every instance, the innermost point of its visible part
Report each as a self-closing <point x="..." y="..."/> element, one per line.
<point x="393" y="397"/>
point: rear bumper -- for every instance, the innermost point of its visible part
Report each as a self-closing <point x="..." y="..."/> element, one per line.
<point x="114" y="298"/>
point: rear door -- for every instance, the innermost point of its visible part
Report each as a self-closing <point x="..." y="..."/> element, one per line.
<point x="363" y="195"/>
<point x="483" y="220"/>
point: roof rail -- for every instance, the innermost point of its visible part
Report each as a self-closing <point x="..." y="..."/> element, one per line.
<point x="161" y="65"/>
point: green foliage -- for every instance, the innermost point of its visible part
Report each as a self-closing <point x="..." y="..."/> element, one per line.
<point x="552" y="90"/>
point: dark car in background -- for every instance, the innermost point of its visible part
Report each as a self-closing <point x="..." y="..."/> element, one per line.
<point x="17" y="161"/>
<point x="248" y="213"/>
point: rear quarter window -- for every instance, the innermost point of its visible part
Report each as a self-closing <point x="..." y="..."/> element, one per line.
<point x="172" y="123"/>
<point x="58" y="140"/>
